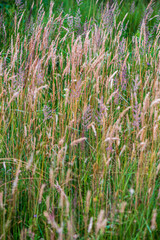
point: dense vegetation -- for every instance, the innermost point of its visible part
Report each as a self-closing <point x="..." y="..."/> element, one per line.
<point x="80" y="120"/>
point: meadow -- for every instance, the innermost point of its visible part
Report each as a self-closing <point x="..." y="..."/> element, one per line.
<point x="80" y="120"/>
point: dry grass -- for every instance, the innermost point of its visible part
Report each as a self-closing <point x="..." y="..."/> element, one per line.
<point x="80" y="132"/>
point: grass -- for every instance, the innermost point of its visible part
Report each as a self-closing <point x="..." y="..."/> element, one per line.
<point x="79" y="125"/>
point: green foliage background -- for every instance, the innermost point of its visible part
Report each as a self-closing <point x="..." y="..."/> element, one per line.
<point x="88" y="9"/>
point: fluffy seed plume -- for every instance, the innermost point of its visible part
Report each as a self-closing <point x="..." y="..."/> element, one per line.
<point x="30" y="161"/>
<point x="155" y="102"/>
<point x="90" y="225"/>
<point x="16" y="179"/>
<point x="41" y="192"/>
<point x="101" y="222"/>
<point x="75" y="142"/>
<point x="153" y="221"/>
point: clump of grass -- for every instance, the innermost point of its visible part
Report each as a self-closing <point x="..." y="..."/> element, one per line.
<point x="80" y="130"/>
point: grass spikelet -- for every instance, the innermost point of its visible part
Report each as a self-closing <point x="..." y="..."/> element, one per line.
<point x="15" y="95"/>
<point x="41" y="193"/>
<point x="15" y="182"/>
<point x="122" y="207"/>
<point x="88" y="201"/>
<point x="101" y="222"/>
<point x="75" y="142"/>
<point x="61" y="155"/>
<point x="155" y="102"/>
<point x="28" y="165"/>
<point x="52" y="221"/>
<point x="51" y="177"/>
<point x="90" y="225"/>
<point x="1" y="200"/>
<point x="153" y="221"/>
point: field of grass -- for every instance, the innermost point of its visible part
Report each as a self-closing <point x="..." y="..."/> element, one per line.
<point x="80" y="121"/>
